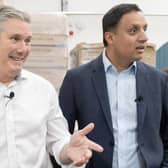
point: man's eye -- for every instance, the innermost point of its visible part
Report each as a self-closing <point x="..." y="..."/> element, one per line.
<point x="145" y="28"/>
<point x="15" y="38"/>
<point x="28" y="41"/>
<point x="133" y="30"/>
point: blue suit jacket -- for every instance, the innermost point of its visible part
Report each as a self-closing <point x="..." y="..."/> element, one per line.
<point x="83" y="97"/>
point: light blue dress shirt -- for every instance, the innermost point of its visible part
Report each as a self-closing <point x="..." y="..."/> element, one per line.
<point x="122" y="93"/>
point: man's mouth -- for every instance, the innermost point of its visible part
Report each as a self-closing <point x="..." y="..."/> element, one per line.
<point x="140" y="49"/>
<point x="15" y="58"/>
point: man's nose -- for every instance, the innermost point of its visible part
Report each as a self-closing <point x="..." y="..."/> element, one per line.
<point x="143" y="37"/>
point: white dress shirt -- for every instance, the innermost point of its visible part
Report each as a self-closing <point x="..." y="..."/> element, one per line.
<point x="31" y="123"/>
<point x="122" y="93"/>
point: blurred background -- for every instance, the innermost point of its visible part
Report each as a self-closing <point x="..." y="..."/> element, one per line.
<point x="68" y="33"/>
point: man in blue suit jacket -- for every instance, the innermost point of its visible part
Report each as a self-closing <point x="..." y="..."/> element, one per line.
<point x="125" y="98"/>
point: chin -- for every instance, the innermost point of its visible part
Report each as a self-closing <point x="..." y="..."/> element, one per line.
<point x="16" y="71"/>
<point x="138" y="57"/>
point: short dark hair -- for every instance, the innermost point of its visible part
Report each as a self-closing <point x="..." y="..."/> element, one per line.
<point x="113" y="16"/>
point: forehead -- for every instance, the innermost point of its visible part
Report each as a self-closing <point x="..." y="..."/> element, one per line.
<point x="133" y="18"/>
<point x="16" y="26"/>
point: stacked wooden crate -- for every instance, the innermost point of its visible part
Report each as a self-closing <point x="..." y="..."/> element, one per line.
<point x="85" y="52"/>
<point x="49" y="53"/>
<point x="149" y="56"/>
<point x="2" y="2"/>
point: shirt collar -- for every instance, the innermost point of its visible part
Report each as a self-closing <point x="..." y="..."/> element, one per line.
<point x="108" y="64"/>
<point x="22" y="75"/>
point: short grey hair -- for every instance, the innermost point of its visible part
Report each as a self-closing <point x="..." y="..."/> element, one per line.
<point x="8" y="12"/>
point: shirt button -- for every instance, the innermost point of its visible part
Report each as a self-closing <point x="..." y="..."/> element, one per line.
<point x="142" y="144"/>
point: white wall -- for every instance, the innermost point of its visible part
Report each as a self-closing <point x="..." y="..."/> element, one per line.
<point x="86" y="22"/>
<point x="36" y="5"/>
<point x="97" y="6"/>
<point x="88" y="28"/>
<point x="157" y="29"/>
<point x="101" y="6"/>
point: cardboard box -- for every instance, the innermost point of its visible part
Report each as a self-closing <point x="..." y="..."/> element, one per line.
<point x="54" y="74"/>
<point x="85" y="52"/>
<point x="149" y="56"/>
<point x="49" y="54"/>
<point x="49" y="23"/>
<point x="2" y="2"/>
<point x="49" y="39"/>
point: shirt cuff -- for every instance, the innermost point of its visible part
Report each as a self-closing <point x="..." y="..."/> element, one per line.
<point x="58" y="146"/>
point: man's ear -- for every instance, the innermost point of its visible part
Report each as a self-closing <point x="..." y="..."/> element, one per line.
<point x="109" y="37"/>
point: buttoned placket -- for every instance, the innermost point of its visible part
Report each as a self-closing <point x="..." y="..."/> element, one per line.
<point x="10" y="127"/>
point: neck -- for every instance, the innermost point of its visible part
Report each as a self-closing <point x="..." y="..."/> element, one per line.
<point x="119" y="63"/>
<point x="6" y="80"/>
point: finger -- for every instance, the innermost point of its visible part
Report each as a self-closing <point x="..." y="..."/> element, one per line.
<point x="84" y="159"/>
<point x="94" y="146"/>
<point x="87" y="129"/>
<point x="88" y="154"/>
<point x="79" y="162"/>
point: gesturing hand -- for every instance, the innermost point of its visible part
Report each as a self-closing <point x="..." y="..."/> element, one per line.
<point x="79" y="150"/>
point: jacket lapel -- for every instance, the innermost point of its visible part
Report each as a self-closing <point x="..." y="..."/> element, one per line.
<point x="141" y="88"/>
<point x="99" y="83"/>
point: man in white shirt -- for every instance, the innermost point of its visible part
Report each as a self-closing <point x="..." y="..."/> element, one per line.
<point x="31" y="122"/>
